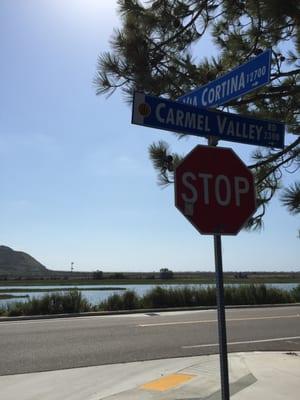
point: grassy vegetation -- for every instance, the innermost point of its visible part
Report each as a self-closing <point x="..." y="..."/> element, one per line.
<point x="54" y="303"/>
<point x="296" y="293"/>
<point x="159" y="297"/>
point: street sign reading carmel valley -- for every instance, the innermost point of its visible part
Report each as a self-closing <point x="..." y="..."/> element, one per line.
<point x="160" y="113"/>
<point x="214" y="190"/>
<point x="243" y="79"/>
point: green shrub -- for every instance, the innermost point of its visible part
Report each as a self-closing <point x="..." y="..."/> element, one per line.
<point x="115" y="302"/>
<point x="117" y="275"/>
<point x="158" y="297"/>
<point x="166" y="273"/>
<point x="164" y="297"/>
<point x="277" y="296"/>
<point x="126" y="301"/>
<point x="54" y="303"/>
<point x="98" y="274"/>
<point x="256" y="294"/>
<point x="130" y="300"/>
<point x="296" y="293"/>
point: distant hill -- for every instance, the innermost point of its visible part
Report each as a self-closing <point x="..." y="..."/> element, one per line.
<point x="18" y="263"/>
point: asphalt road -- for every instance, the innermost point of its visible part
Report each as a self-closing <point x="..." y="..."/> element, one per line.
<point x="43" y="345"/>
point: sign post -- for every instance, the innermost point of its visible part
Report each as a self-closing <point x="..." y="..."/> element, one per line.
<point x="221" y="319"/>
<point x="215" y="191"/>
<point x="222" y="331"/>
<point x="241" y="80"/>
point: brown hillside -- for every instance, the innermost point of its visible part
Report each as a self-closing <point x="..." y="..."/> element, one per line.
<point x="19" y="263"/>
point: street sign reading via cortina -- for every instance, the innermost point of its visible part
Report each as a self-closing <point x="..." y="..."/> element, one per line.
<point x="239" y="81"/>
<point x="156" y="112"/>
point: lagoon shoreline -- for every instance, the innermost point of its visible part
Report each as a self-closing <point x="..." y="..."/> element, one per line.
<point x="74" y="301"/>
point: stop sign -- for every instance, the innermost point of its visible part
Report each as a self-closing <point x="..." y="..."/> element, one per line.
<point x="215" y="190"/>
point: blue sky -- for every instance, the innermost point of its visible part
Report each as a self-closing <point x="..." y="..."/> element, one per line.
<point x="77" y="184"/>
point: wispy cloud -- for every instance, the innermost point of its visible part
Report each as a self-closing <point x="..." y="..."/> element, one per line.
<point x="101" y="164"/>
<point x="28" y="143"/>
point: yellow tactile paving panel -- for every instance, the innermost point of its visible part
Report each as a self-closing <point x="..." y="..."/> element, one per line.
<point x="167" y="382"/>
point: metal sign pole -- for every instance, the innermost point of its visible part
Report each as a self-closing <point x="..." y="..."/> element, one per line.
<point x="221" y="318"/>
<point x="213" y="141"/>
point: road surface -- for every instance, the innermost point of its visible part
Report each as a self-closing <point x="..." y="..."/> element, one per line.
<point x="52" y="344"/>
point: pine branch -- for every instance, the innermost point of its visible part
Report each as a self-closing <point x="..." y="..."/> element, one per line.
<point x="291" y="198"/>
<point x="277" y="155"/>
<point x="152" y="52"/>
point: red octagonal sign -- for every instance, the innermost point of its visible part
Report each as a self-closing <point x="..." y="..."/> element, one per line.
<point x="215" y="190"/>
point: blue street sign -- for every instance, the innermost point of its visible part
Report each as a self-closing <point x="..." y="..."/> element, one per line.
<point x="156" y="112"/>
<point x="241" y="80"/>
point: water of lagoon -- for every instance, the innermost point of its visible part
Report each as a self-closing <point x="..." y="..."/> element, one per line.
<point x="96" y="297"/>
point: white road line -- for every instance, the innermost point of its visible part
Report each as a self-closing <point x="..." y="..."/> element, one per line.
<point x="243" y="342"/>
<point x="39" y="321"/>
<point x="82" y="318"/>
<point x="215" y="320"/>
<point x="51" y="320"/>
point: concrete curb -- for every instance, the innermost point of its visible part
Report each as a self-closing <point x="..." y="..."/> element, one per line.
<point x="125" y="380"/>
<point x="139" y="311"/>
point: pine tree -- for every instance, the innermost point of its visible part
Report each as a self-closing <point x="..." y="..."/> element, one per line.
<point x="153" y="52"/>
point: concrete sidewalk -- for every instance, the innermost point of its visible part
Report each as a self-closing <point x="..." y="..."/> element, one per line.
<point x="258" y="375"/>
